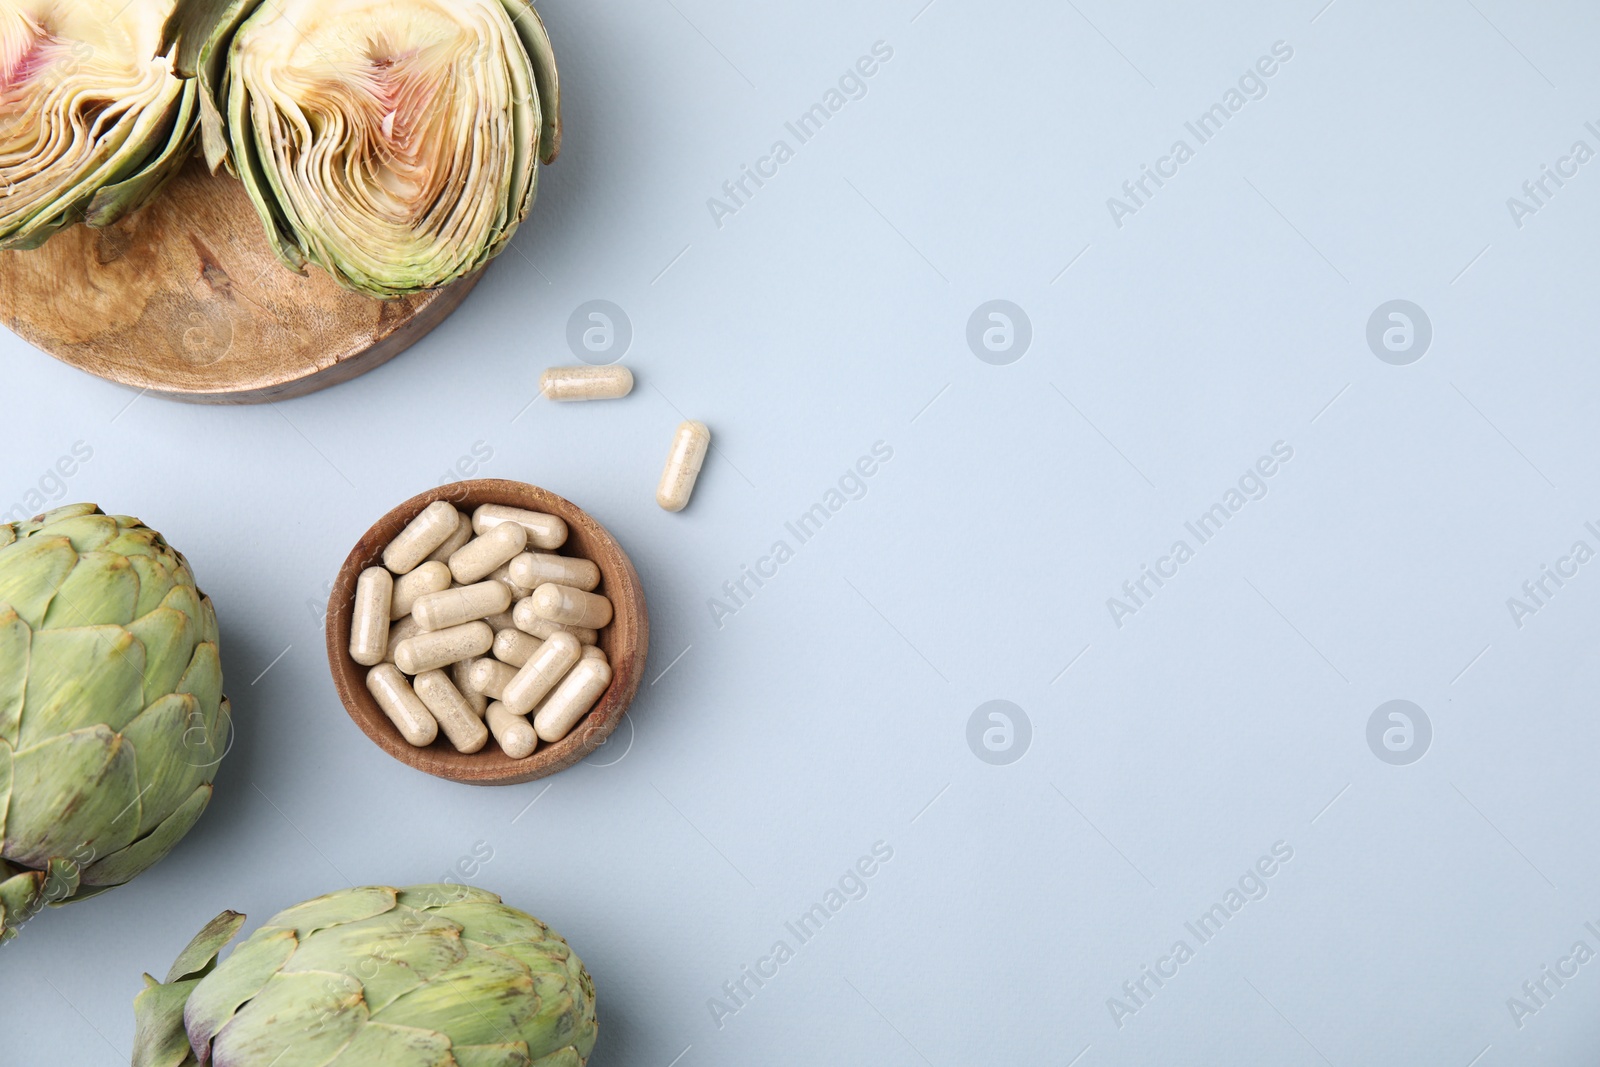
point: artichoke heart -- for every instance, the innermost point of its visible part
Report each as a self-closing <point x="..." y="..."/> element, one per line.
<point x="93" y="117"/>
<point x="393" y="143"/>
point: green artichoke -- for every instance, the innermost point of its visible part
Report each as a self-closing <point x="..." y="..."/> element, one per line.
<point x="393" y="143"/>
<point x="112" y="719"/>
<point x="427" y="976"/>
<point x="93" y="118"/>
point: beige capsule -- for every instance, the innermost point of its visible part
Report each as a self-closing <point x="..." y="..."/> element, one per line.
<point x="504" y="620"/>
<point x="532" y="569"/>
<point x="571" y="607"/>
<point x="482" y="556"/>
<point x="586" y="383"/>
<point x="440" y="648"/>
<point x="462" y="535"/>
<point x="515" y="647"/>
<point x="548" y="532"/>
<point x="452" y="607"/>
<point x="541" y="673"/>
<point x="687" y="455"/>
<point x="399" y="701"/>
<point x="503" y="576"/>
<point x="401" y="630"/>
<point x="514" y="732"/>
<point x="461" y="674"/>
<point x="455" y="716"/>
<point x="369" y="624"/>
<point x="431" y="577"/>
<point x="422" y="535"/>
<point x="595" y="652"/>
<point x="531" y="622"/>
<point x="571" y="700"/>
<point x="490" y="677"/>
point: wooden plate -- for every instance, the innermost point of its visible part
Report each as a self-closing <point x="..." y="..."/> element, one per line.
<point x="626" y="642"/>
<point x="184" y="299"/>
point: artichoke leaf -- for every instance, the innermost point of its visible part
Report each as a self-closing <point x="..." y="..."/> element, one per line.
<point x="130" y="862"/>
<point x="296" y="1020"/>
<point x="396" y="1046"/>
<point x="158" y="1036"/>
<point x="72" y="796"/>
<point x="244" y="974"/>
<point x="15" y="643"/>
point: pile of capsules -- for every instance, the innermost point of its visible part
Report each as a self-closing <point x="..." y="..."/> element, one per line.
<point x="474" y="625"/>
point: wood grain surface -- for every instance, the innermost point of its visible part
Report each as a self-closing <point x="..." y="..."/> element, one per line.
<point x="626" y="641"/>
<point x="184" y="299"/>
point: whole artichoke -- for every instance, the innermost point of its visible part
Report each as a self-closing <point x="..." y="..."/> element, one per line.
<point x="112" y="719"/>
<point x="393" y="143"/>
<point x="427" y="976"/>
<point x="93" y="118"/>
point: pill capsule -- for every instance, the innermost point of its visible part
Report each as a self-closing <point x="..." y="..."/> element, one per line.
<point x="482" y="556"/>
<point x="421" y="536"/>
<point x="571" y="607"/>
<point x="489" y="677"/>
<point x="595" y="652"/>
<point x="684" y="460"/>
<point x="548" y="532"/>
<point x="452" y="607"/>
<point x="503" y="576"/>
<point x="586" y="383"/>
<point x="531" y="622"/>
<point x="440" y="648"/>
<point x="571" y="700"/>
<point x="455" y="716"/>
<point x="399" y="701"/>
<point x="515" y="647"/>
<point x="369" y="627"/>
<point x="462" y="535"/>
<point x="399" y="631"/>
<point x="461" y="674"/>
<point x="503" y="620"/>
<point x="541" y="673"/>
<point x="514" y="732"/>
<point x="532" y="569"/>
<point x="431" y="577"/>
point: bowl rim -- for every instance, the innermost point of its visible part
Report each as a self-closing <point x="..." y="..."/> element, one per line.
<point x="626" y="641"/>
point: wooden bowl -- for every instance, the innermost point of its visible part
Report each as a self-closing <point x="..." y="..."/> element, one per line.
<point x="184" y="299"/>
<point x="626" y="642"/>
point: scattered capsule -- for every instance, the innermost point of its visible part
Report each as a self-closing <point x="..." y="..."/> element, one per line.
<point x="541" y="673"/>
<point x="399" y="701"/>
<point x="514" y="732"/>
<point x="531" y="622"/>
<point x="571" y="607"/>
<point x="515" y="647"/>
<point x="462" y="535"/>
<point x="431" y="577"/>
<point x="688" y="455"/>
<point x="455" y="716"/>
<point x="400" y="631"/>
<point x="572" y="699"/>
<point x="369" y="629"/>
<point x="452" y="607"/>
<point x="548" y="532"/>
<point x="461" y="674"/>
<point x="421" y="536"/>
<point x="586" y="383"/>
<point x="532" y="569"/>
<point x="440" y="648"/>
<point x="483" y="555"/>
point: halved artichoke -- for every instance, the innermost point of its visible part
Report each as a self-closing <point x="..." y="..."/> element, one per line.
<point x="93" y="118"/>
<point x="393" y="143"/>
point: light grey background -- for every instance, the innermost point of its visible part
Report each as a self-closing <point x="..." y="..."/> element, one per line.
<point x="762" y="758"/>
